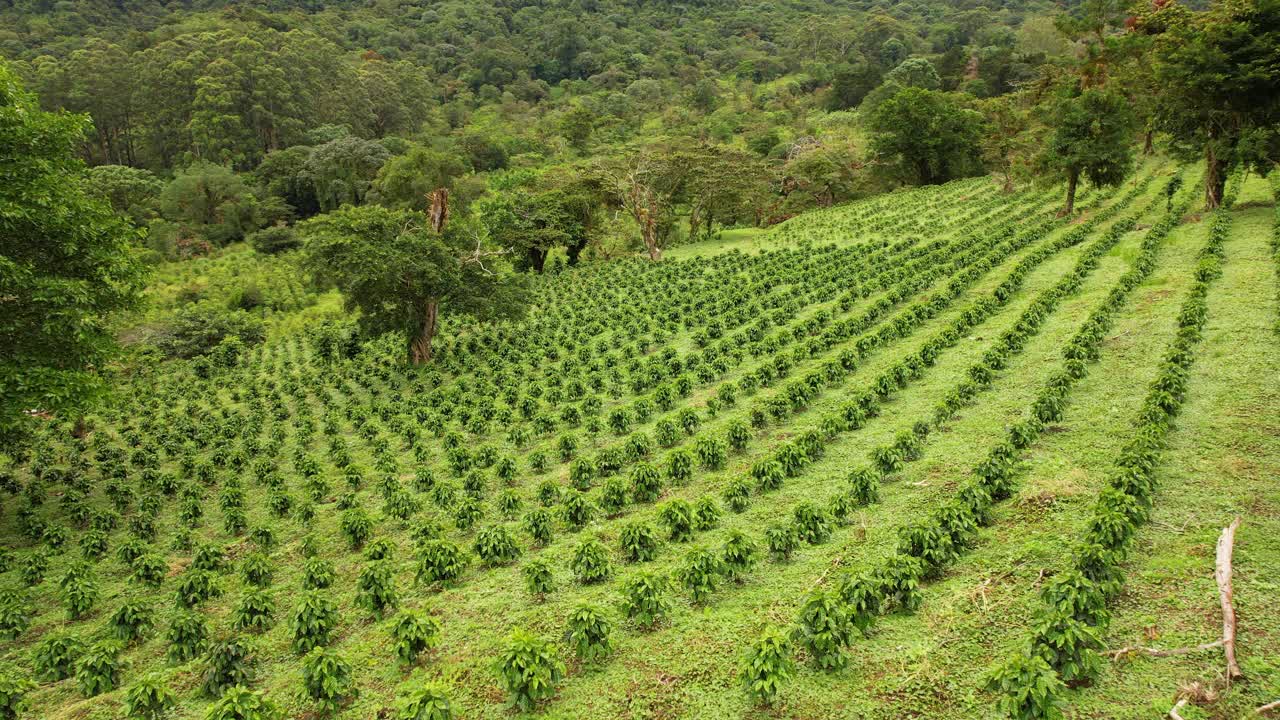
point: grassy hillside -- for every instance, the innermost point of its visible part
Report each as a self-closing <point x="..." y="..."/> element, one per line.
<point x="844" y="379"/>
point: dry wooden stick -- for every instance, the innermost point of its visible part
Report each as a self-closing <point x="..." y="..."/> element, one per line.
<point x="1173" y="711"/>
<point x="1157" y="652"/>
<point x="1226" y="545"/>
<point x="1263" y="710"/>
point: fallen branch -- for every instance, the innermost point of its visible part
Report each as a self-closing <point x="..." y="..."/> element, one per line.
<point x="1226" y="545"/>
<point x="1157" y="652"/>
<point x="1263" y="710"/>
<point x="1173" y="711"/>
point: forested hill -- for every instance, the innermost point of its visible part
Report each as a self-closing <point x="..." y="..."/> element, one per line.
<point x="166" y="82"/>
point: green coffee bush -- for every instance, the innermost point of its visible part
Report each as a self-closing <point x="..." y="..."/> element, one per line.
<point x="414" y="633"/>
<point x="149" y="698"/>
<point x="767" y="666"/>
<point x="227" y="663"/>
<point x="588" y="634"/>
<point x="529" y="669"/>
<point x="327" y="679"/>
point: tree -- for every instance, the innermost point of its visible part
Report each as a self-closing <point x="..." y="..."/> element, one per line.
<point x="643" y="183"/>
<point x="1092" y="136"/>
<point x="406" y="180"/>
<point x="1007" y="145"/>
<point x="67" y="264"/>
<point x="915" y="72"/>
<point x="851" y="84"/>
<point x="926" y="137"/>
<point x="531" y="223"/>
<point x="343" y="169"/>
<point x="402" y="274"/>
<point x="212" y="201"/>
<point x="132" y="192"/>
<point x="1219" y="79"/>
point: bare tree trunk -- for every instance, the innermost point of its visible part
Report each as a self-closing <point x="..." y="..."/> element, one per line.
<point x="439" y="212"/>
<point x="1215" y="178"/>
<point x="1073" y="179"/>
<point x="649" y="231"/>
<point x="420" y="344"/>
<point x="1148" y="142"/>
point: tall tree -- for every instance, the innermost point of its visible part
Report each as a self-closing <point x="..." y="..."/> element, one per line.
<point x="1219" y="79"/>
<point x="66" y="264"/>
<point x="1092" y="137"/>
<point x="403" y="275"/>
<point x="926" y="137"/>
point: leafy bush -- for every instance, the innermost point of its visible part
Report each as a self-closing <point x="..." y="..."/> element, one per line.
<point x="678" y="516"/>
<point x="274" y="239"/>
<point x="529" y="669"/>
<point x="782" y="541"/>
<point x="738" y="555"/>
<point x="196" y="586"/>
<point x="590" y="563"/>
<point x="317" y="574"/>
<point x="327" y="679"/>
<point x="56" y="656"/>
<point x="440" y="561"/>
<point x="227" y="663"/>
<point x="495" y="546"/>
<point x="314" y="620"/>
<point x="414" y="633"/>
<point x="639" y="542"/>
<point x="644" y="599"/>
<point x="700" y="573"/>
<point x="98" y="668"/>
<point x="824" y="630"/>
<point x="588" y="633"/>
<point x="241" y="703"/>
<point x="767" y="666"/>
<point x="376" y="587"/>
<point x="149" y="698"/>
<point x="131" y="620"/>
<point x="424" y="701"/>
<point x="539" y="578"/>
<point x="13" y="691"/>
<point x="254" y="612"/>
<point x="1027" y="688"/>
<point x="199" y="329"/>
<point x="187" y="636"/>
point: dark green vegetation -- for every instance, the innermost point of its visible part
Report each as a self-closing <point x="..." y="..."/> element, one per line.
<point x="489" y="366"/>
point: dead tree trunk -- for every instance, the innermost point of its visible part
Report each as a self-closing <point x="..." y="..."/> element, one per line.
<point x="1222" y="573"/>
<point x="420" y="345"/>
<point x="439" y="212"/>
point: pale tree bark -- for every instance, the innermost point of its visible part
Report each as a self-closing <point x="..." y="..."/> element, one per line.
<point x="1073" y="179"/>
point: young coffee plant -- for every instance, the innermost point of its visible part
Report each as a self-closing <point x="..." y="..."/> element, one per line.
<point x="424" y="701"/>
<point x="538" y="524"/>
<point x="226" y="664"/>
<point x="314" y="620"/>
<point x="414" y="633"/>
<point x="767" y="666"/>
<point x="1027" y="688"/>
<point x="539" y="578"/>
<point x="496" y="546"/>
<point x="644" y="599"/>
<point x="317" y="573"/>
<point x="700" y="574"/>
<point x="529" y="668"/>
<point x="738" y="555"/>
<point x="590" y="563"/>
<point x="327" y="679"/>
<point x="254" y="612"/>
<point x="98" y="668"/>
<point x="639" y="542"/>
<point x="13" y="694"/>
<point x="678" y="516"/>
<point x="782" y="541"/>
<point x="241" y="703"/>
<point x="131" y="620"/>
<point x="149" y="698"/>
<point x="440" y="561"/>
<point x="588" y="634"/>
<point x="56" y="655"/>
<point x="824" y="630"/>
<point x="376" y="587"/>
<point x="187" y="636"/>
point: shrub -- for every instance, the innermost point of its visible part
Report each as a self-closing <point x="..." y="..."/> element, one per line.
<point x="738" y="495"/>
<point x="56" y="656"/>
<point x="197" y="586"/>
<point x="639" y="542"/>
<point x="254" y="612"/>
<point x="15" y="617"/>
<point x="187" y="636"/>
<point x="646" y="483"/>
<point x="495" y="546"/>
<point x="644" y="599"/>
<point x="700" y="573"/>
<point x="590" y="563"/>
<point x="738" y="555"/>
<point x="529" y="669"/>
<point x="13" y="691"/>
<point x="812" y="524"/>
<point x="424" y="701"/>
<point x="200" y="328"/>
<point x="149" y="698"/>
<point x="678" y="516"/>
<point x="376" y="587"/>
<point x="538" y="524"/>
<point x="241" y="703"/>
<point x="782" y="541"/>
<point x="1027" y="688"/>
<point x="98" y="669"/>
<point x="440" y="561"/>
<point x="327" y="679"/>
<point x="588" y="634"/>
<point x="356" y="527"/>
<point x="767" y="666"/>
<point x="314" y="620"/>
<point x="227" y="664"/>
<point x="317" y="574"/>
<point x="131" y="620"/>
<point x="256" y="569"/>
<point x="539" y="578"/>
<point x="274" y="239"/>
<point x="824" y="630"/>
<point x="414" y="633"/>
